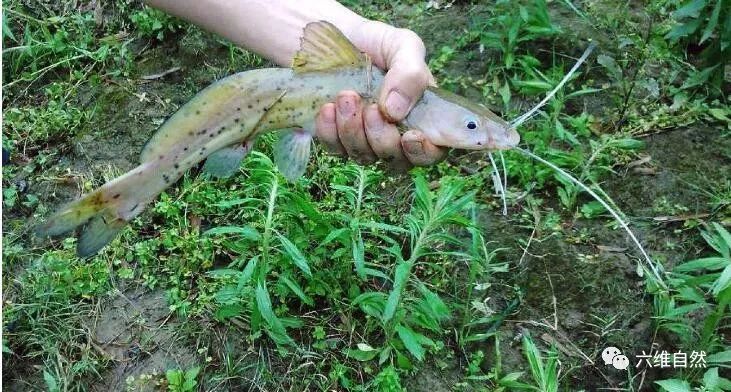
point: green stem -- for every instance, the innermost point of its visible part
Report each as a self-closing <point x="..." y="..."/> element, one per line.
<point x="268" y="228"/>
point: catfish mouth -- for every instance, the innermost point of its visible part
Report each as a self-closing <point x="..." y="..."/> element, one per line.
<point x="508" y="140"/>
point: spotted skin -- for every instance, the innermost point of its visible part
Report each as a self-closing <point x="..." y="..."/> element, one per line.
<point x="232" y="111"/>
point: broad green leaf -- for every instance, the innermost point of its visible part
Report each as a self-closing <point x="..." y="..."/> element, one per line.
<point x="227" y="311"/>
<point x="709" y="263"/>
<point x="504" y="92"/>
<point x="683" y="30"/>
<point x="276" y="329"/>
<point x="690" y="9"/>
<point x="627" y="144"/>
<point x="533" y="86"/>
<point x="375" y="272"/>
<point x="371" y="303"/>
<point x="265" y="304"/>
<point x="592" y="209"/>
<point x="722" y="357"/>
<point x="712" y="22"/>
<point x="437" y="308"/>
<point x="720" y="114"/>
<point x="174" y="377"/>
<point x="410" y="341"/>
<point x="364" y="352"/>
<point x="50" y="381"/>
<point x="698" y="78"/>
<point x="7" y="32"/>
<point x="674" y="385"/>
<point x="611" y="66"/>
<point x="247" y="272"/>
<point x="333" y="235"/>
<point x="723" y="281"/>
<point x="711" y="379"/>
<point x="226" y="294"/>
<point x="294" y="253"/>
<point x="385" y="354"/>
<point x="190" y="377"/>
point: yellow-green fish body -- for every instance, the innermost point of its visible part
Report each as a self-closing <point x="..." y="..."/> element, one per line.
<point x="221" y="123"/>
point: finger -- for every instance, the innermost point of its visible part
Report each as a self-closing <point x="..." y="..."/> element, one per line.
<point x="402" y="87"/>
<point x="327" y="131"/>
<point x="349" y="122"/>
<point x="407" y="77"/>
<point x="419" y="150"/>
<point x="384" y="139"/>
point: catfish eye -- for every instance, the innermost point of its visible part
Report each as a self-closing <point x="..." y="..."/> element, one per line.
<point x="471" y="123"/>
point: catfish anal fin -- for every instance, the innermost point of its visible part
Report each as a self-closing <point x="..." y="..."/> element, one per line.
<point x="226" y="161"/>
<point x="292" y="152"/>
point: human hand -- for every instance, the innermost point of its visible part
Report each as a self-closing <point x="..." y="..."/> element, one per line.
<point x="366" y="133"/>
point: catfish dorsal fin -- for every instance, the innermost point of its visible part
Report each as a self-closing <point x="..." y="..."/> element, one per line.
<point x="324" y="47"/>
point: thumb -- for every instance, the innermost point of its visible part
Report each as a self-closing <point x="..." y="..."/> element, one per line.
<point x="407" y="76"/>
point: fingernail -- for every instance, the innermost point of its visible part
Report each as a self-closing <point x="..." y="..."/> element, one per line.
<point x="414" y="147"/>
<point x="397" y="105"/>
<point x="346" y="106"/>
<point x="373" y="119"/>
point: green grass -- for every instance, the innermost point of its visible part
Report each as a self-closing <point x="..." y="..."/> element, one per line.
<point x="352" y="279"/>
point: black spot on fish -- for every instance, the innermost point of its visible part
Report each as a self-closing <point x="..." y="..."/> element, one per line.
<point x="134" y="207"/>
<point x="176" y="166"/>
<point x="190" y="133"/>
<point x="236" y="120"/>
<point x="238" y="109"/>
<point x="265" y="110"/>
<point x="165" y="178"/>
<point x="185" y="148"/>
<point x="479" y="143"/>
<point x="248" y="106"/>
<point x="212" y="135"/>
<point x="161" y="156"/>
<point x="116" y="196"/>
<point x="197" y="112"/>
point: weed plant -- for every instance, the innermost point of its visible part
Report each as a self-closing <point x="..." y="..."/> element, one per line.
<point x="351" y="279"/>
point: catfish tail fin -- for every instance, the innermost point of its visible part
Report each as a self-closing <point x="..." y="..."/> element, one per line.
<point x="104" y="212"/>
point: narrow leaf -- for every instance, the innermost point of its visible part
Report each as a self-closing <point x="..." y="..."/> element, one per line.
<point x="401" y="277"/>
<point x="411" y="341"/>
<point x="294" y="253"/>
<point x="297" y="290"/>
<point x="245" y="231"/>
